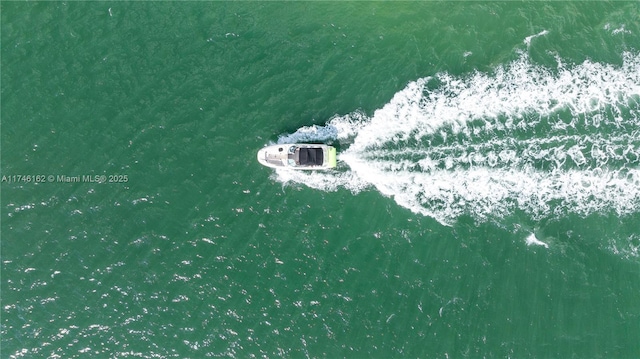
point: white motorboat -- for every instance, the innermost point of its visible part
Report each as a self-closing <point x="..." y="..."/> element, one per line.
<point x="298" y="156"/>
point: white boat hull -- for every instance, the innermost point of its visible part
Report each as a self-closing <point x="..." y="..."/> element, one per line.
<point x="298" y="156"/>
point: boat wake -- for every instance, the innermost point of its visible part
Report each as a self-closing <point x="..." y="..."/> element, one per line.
<point x="522" y="138"/>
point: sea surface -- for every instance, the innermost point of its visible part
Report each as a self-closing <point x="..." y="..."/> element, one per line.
<point x="486" y="202"/>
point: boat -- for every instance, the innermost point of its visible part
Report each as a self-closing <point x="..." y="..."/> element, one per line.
<point x="298" y="156"/>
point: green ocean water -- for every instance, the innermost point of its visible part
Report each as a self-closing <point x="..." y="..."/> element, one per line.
<point x="486" y="201"/>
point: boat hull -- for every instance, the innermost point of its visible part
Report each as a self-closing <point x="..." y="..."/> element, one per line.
<point x="298" y="156"/>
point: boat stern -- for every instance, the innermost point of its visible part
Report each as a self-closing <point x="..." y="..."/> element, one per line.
<point x="331" y="157"/>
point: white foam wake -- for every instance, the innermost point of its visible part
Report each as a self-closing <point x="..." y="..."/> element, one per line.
<point x="533" y="240"/>
<point x="523" y="138"/>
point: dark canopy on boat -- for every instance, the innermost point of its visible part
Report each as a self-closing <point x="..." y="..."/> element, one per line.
<point x="309" y="156"/>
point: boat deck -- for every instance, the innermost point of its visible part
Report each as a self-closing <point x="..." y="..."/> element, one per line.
<point x="278" y="158"/>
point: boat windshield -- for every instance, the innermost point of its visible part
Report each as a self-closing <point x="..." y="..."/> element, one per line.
<point x="309" y="157"/>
